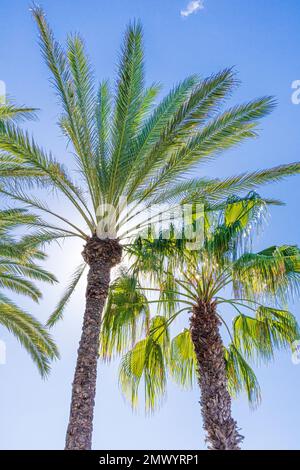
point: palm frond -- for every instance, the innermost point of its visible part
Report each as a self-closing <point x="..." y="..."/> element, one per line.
<point x="145" y="361"/>
<point x="218" y="189"/>
<point x="56" y="61"/>
<point x="103" y="116"/>
<point x="224" y="132"/>
<point x="152" y="137"/>
<point x="129" y="95"/>
<point x="261" y="335"/>
<point x="183" y="361"/>
<point x="241" y="377"/>
<point x="10" y="112"/>
<point x="20" y="145"/>
<point x="126" y="316"/>
<point x="62" y="304"/>
<point x="19" y="285"/>
<point x="84" y="113"/>
<point x="31" y="334"/>
<point x="29" y="270"/>
<point x="271" y="272"/>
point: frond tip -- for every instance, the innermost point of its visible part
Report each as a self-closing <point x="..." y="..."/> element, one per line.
<point x="145" y="361"/>
<point x="31" y="334"/>
<point x="259" y="336"/>
<point x="59" y="310"/>
<point x="241" y="377"/>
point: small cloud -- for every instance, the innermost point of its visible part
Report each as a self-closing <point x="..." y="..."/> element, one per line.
<point x="192" y="7"/>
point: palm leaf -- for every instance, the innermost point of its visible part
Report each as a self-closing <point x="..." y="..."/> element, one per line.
<point x="241" y="377"/>
<point x="31" y="334"/>
<point x="62" y="304"/>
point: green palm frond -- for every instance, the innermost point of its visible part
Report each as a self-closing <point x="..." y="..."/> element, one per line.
<point x="42" y="237"/>
<point x="57" y="62"/>
<point x="241" y="377"/>
<point x="222" y="133"/>
<point x="183" y="363"/>
<point x="148" y="101"/>
<point x="83" y="81"/>
<point x="153" y="137"/>
<point x="126" y="316"/>
<point x="159" y="331"/>
<point x="145" y="361"/>
<point x="269" y="330"/>
<point x="272" y="272"/>
<point x="103" y="116"/>
<point x="62" y="304"/>
<point x="168" y="298"/>
<point x="35" y="203"/>
<point x="31" y="334"/>
<point x="238" y="220"/>
<point x="10" y="112"/>
<point x="202" y="98"/>
<point x="12" y="217"/>
<point x="29" y="270"/>
<point x="218" y="189"/>
<point x="12" y="168"/>
<point x="19" y="285"/>
<point x="128" y="99"/>
<point x="19" y="144"/>
<point x="84" y="112"/>
<point x="18" y="270"/>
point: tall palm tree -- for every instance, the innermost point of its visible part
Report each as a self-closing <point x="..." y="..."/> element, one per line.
<point x="126" y="147"/>
<point x="18" y="270"/>
<point x="198" y="282"/>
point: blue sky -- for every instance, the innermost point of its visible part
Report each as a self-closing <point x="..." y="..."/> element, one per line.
<point x="260" y="39"/>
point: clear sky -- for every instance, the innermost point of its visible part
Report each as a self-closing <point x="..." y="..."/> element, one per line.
<point x="260" y="38"/>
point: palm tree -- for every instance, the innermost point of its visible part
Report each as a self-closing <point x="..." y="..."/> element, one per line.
<point x="198" y="282"/>
<point x="129" y="151"/>
<point x="18" y="270"/>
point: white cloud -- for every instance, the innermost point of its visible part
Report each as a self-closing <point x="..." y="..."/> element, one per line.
<point x="192" y="7"/>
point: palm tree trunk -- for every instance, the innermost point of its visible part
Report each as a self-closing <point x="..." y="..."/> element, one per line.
<point x="101" y="255"/>
<point x="221" y="428"/>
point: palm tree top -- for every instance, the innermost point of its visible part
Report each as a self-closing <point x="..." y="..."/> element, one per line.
<point x="124" y="144"/>
<point x="137" y="322"/>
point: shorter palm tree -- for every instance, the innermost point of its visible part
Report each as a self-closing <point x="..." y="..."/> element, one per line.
<point x="18" y="271"/>
<point x="198" y="282"/>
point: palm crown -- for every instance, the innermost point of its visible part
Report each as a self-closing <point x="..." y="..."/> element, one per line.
<point x="261" y="285"/>
<point x="126" y="146"/>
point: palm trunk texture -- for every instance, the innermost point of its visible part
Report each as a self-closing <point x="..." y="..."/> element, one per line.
<point x="101" y="256"/>
<point x="221" y="428"/>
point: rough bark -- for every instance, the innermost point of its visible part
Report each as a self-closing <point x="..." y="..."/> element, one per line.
<point x="221" y="428"/>
<point x="101" y="256"/>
